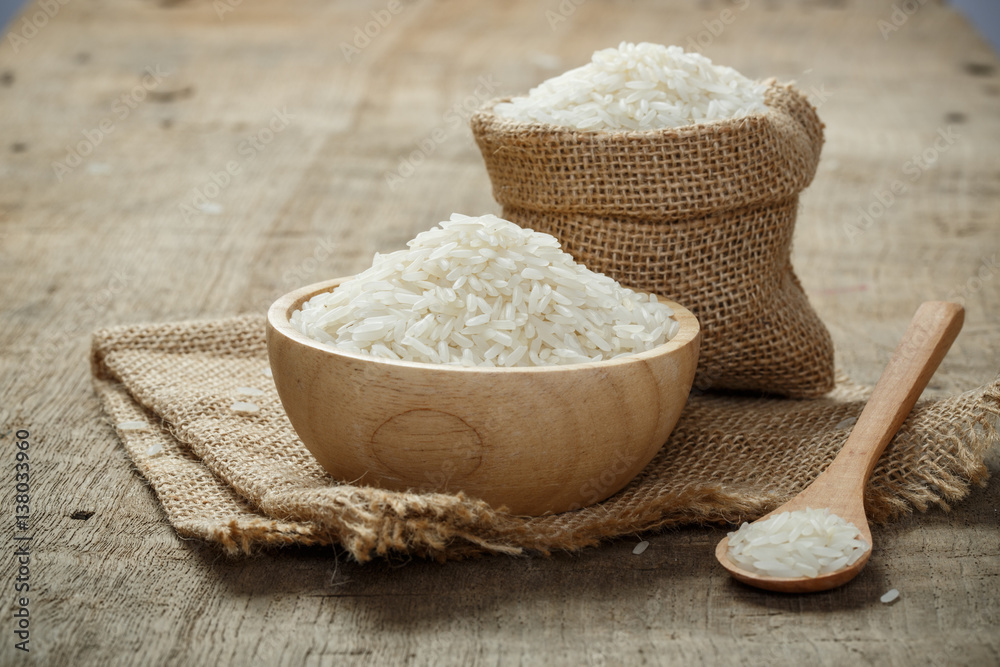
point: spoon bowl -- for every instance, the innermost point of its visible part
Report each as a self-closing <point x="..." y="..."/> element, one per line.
<point x="840" y="487"/>
<point x="850" y="509"/>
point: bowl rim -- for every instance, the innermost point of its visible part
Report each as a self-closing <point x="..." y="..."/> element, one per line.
<point x="280" y="311"/>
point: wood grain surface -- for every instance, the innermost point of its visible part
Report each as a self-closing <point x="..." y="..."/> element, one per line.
<point x="237" y="150"/>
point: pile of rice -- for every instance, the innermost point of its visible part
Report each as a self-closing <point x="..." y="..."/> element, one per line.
<point x="804" y="543"/>
<point x="639" y="87"/>
<point x="485" y="292"/>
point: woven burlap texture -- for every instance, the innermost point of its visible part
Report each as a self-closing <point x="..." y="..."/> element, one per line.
<point x="703" y="215"/>
<point x="245" y="481"/>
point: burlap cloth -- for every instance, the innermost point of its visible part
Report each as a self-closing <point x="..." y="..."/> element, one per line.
<point x="245" y="481"/>
<point x="702" y="214"/>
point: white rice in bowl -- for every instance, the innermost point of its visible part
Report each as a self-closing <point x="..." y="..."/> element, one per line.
<point x="639" y="87"/>
<point x="481" y="291"/>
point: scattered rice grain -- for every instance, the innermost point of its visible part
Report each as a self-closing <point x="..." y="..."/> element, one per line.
<point x="132" y="426"/>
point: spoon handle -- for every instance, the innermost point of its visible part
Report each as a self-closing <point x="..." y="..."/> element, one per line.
<point x="925" y="343"/>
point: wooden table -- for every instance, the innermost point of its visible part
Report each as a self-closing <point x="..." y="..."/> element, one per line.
<point x="168" y="160"/>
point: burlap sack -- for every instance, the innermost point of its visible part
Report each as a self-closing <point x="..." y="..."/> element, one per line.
<point x="703" y="215"/>
<point x="245" y="481"/>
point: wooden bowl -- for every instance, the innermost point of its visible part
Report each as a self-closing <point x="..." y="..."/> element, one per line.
<point x="534" y="440"/>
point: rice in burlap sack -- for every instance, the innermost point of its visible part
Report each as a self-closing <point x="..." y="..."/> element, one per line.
<point x="245" y="481"/>
<point x="702" y="214"/>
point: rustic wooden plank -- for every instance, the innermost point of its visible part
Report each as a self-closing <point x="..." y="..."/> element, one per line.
<point x="111" y="243"/>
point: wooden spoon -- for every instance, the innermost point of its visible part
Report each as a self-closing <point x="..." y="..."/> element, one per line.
<point x="841" y="486"/>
